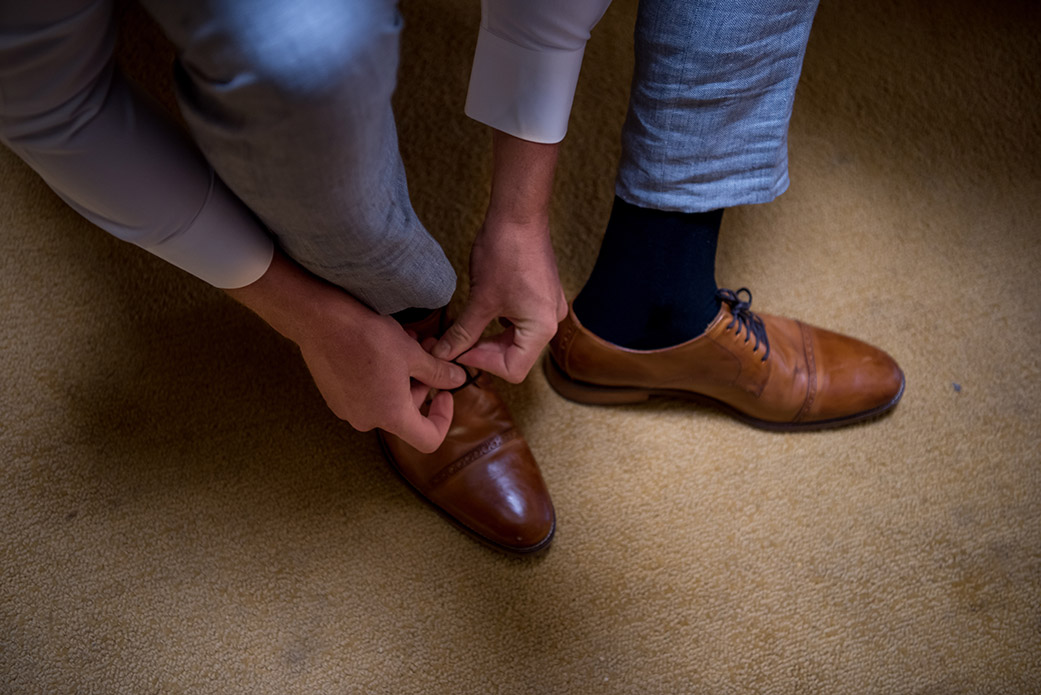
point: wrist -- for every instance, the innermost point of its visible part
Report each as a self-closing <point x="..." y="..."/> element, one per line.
<point x="291" y="300"/>
<point x="534" y="227"/>
<point x="530" y="218"/>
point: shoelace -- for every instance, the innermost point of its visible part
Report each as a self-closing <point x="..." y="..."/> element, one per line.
<point x="471" y="378"/>
<point x="745" y="318"/>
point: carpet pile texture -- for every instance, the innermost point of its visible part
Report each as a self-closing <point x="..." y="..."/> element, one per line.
<point x="180" y="513"/>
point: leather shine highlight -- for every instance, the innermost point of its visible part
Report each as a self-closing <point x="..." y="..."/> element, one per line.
<point x="483" y="476"/>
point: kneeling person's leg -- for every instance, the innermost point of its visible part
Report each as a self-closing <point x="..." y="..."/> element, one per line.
<point x="291" y="103"/>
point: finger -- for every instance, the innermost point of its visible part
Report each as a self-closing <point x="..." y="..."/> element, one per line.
<point x="509" y="355"/>
<point x="442" y="408"/>
<point x="420" y="391"/>
<point x="463" y="333"/>
<point x="500" y="356"/>
<point x="436" y="373"/>
<point x="492" y="358"/>
<point x="426" y="434"/>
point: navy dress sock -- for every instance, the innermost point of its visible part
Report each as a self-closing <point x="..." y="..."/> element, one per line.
<point x="654" y="282"/>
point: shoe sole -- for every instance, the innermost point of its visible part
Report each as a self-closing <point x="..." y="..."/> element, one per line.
<point x="487" y="542"/>
<point x="592" y="394"/>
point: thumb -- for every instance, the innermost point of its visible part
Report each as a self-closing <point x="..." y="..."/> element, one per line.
<point x="436" y="373"/>
<point x="463" y="333"/>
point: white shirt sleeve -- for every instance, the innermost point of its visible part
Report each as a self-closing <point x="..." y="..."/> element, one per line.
<point x="113" y="158"/>
<point x="525" y="69"/>
<point x="138" y="178"/>
<point x="224" y="245"/>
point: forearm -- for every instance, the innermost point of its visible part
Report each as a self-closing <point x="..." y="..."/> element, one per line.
<point x="522" y="181"/>
<point x="110" y="154"/>
<point x="292" y="301"/>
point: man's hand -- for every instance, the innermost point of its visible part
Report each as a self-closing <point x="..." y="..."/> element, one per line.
<point x="370" y="372"/>
<point x="513" y="278"/>
<point x="513" y="271"/>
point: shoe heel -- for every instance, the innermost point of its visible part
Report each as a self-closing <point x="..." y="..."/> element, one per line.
<point x="581" y="392"/>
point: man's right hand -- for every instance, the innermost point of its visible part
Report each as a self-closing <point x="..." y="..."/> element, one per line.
<point x="369" y="370"/>
<point x="513" y="272"/>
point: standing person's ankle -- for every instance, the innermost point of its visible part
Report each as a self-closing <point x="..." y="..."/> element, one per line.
<point x="654" y="283"/>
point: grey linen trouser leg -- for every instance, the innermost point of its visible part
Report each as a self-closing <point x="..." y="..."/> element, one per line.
<point x="711" y="99"/>
<point x="289" y="101"/>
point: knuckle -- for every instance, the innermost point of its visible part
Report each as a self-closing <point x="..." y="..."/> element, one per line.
<point x="459" y="333"/>
<point x="439" y="369"/>
<point x="343" y="413"/>
<point x="362" y="424"/>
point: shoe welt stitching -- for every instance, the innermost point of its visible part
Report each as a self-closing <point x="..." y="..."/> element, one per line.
<point x="811" y="372"/>
<point x="483" y="449"/>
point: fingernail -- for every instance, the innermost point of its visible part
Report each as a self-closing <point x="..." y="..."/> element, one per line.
<point x="441" y="350"/>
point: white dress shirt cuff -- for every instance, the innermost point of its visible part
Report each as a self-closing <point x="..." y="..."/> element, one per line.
<point x="523" y="92"/>
<point x="224" y="245"/>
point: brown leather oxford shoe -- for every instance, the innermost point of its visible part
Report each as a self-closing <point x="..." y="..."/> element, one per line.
<point x="771" y="372"/>
<point x="483" y="477"/>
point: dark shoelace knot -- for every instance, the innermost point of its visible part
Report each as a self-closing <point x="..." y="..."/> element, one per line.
<point x="471" y="378"/>
<point x="744" y="318"/>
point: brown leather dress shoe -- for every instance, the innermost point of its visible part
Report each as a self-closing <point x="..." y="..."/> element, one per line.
<point x="483" y="477"/>
<point x="771" y="372"/>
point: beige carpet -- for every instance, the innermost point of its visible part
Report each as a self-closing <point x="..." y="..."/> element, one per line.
<point x="180" y="514"/>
